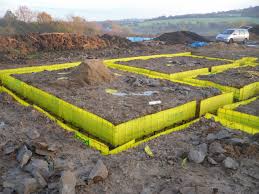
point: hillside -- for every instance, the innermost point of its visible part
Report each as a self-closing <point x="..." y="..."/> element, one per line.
<point x="205" y="24"/>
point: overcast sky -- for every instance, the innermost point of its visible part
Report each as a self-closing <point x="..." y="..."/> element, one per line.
<point x="123" y="9"/>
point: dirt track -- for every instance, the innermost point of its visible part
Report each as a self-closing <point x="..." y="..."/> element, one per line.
<point x="133" y="171"/>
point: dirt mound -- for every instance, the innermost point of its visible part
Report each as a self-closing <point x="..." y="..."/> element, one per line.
<point x="223" y="45"/>
<point x="25" y="44"/>
<point x="64" y="41"/>
<point x="254" y="33"/>
<point x="91" y="72"/>
<point x="180" y="37"/>
<point x="116" y="41"/>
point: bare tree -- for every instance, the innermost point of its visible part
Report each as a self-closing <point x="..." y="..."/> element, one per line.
<point x="9" y="16"/>
<point x="44" y="17"/>
<point x="24" y="14"/>
<point x="78" y="24"/>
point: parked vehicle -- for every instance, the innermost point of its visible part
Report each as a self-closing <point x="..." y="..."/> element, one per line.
<point x="233" y="35"/>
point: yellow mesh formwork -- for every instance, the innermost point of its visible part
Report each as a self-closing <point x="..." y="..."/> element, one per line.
<point x="181" y="75"/>
<point x="243" y="93"/>
<point x="39" y="68"/>
<point x="246" y="122"/>
<point x="246" y="61"/>
<point x="95" y="125"/>
<point x="212" y="104"/>
<point x="93" y="142"/>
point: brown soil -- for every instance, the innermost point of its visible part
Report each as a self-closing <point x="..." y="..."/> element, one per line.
<point x="251" y="108"/>
<point x="173" y="64"/>
<point x="237" y="77"/>
<point x="227" y="51"/>
<point x="19" y="46"/>
<point x="132" y="101"/>
<point x="180" y="37"/>
<point x="131" y="171"/>
<point x="14" y="59"/>
<point x="254" y="33"/>
<point x="91" y="72"/>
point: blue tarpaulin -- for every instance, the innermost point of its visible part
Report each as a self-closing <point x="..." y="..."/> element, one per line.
<point x="198" y="44"/>
<point x="138" y="39"/>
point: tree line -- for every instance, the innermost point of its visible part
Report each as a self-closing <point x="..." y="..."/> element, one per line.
<point x="24" y="20"/>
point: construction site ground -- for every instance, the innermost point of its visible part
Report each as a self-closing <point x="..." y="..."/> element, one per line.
<point x="38" y="156"/>
<point x="237" y="77"/>
<point x="171" y="65"/>
<point x="125" y="97"/>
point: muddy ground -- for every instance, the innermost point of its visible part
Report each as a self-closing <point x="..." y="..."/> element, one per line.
<point x="237" y="77"/>
<point x="221" y="50"/>
<point x="205" y="158"/>
<point x="252" y="108"/>
<point x="227" y="51"/>
<point x="173" y="64"/>
<point x="130" y="100"/>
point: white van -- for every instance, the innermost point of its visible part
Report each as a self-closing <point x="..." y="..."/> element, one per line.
<point x="233" y="35"/>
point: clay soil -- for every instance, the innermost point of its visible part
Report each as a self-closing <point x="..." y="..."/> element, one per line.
<point x="173" y="64"/>
<point x="134" y="92"/>
<point x="237" y="77"/>
<point x="131" y="171"/>
<point x="251" y="108"/>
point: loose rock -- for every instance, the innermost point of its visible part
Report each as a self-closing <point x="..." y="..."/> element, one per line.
<point x="9" y="147"/>
<point x="223" y="134"/>
<point x="196" y="156"/>
<point x="67" y="183"/>
<point x="211" y="137"/>
<point x="216" y="148"/>
<point x="212" y="161"/>
<point x="39" y="178"/>
<point x="99" y="172"/>
<point x="2" y="125"/>
<point x="27" y="186"/>
<point x="24" y="155"/>
<point x="230" y="163"/>
<point x="33" y="134"/>
<point x="38" y="165"/>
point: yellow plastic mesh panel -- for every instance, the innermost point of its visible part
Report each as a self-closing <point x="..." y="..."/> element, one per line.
<point x="133" y="143"/>
<point x="246" y="61"/>
<point x="237" y="104"/>
<point x="241" y="119"/>
<point x="212" y="104"/>
<point x="93" y="124"/>
<point x="39" y="68"/>
<point x="137" y="70"/>
<point x="249" y="91"/>
<point x="176" y="76"/>
<point x="239" y="94"/>
<point x="233" y="124"/>
<point x="145" y="125"/>
<point x="191" y="73"/>
<point x="85" y="139"/>
<point x="211" y="58"/>
<point x="149" y="57"/>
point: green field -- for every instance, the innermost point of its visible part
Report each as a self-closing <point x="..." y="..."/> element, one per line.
<point x="199" y="25"/>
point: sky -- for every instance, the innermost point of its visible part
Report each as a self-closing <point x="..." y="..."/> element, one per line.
<point x="124" y="9"/>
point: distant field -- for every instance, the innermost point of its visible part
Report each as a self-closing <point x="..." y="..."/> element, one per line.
<point x="201" y="20"/>
<point x="201" y="25"/>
